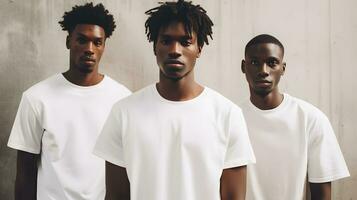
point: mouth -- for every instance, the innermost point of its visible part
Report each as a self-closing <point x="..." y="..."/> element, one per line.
<point x="87" y="59"/>
<point x="174" y="63"/>
<point x="263" y="83"/>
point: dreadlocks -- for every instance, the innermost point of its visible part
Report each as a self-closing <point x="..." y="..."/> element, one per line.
<point x="88" y="14"/>
<point x="193" y="17"/>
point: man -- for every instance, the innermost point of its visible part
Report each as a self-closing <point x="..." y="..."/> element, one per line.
<point x="59" y="119"/>
<point x="175" y="139"/>
<point x="293" y="140"/>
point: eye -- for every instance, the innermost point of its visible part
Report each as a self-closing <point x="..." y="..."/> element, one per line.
<point x="254" y="62"/>
<point x="272" y="63"/>
<point x="165" y="41"/>
<point x="186" y="43"/>
<point x="81" y="40"/>
<point x="98" y="43"/>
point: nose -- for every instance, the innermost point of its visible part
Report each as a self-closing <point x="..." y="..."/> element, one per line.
<point x="264" y="70"/>
<point x="175" y="50"/>
<point x="89" y="48"/>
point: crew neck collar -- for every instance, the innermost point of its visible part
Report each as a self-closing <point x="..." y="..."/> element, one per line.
<point x="276" y="109"/>
<point x="91" y="87"/>
<point x="197" y="98"/>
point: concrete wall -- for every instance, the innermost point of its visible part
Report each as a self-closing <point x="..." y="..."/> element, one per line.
<point x="318" y="36"/>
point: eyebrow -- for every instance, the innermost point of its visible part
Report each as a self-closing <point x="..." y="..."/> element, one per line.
<point x="273" y="58"/>
<point x="185" y="37"/>
<point x="82" y="35"/>
<point x="257" y="57"/>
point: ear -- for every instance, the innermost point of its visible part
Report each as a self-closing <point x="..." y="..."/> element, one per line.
<point x="199" y="52"/>
<point x="67" y="42"/>
<point x="284" y="65"/>
<point x="242" y="67"/>
<point x="154" y="48"/>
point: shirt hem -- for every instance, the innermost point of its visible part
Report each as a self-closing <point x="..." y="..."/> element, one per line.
<point x="238" y="163"/>
<point x="110" y="159"/>
<point x="329" y="178"/>
<point x="23" y="148"/>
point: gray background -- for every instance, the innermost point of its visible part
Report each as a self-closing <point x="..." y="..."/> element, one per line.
<point x="319" y="36"/>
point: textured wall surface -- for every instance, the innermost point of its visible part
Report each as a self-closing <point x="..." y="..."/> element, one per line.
<point x="319" y="37"/>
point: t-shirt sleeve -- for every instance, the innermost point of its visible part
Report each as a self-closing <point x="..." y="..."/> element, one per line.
<point x="325" y="159"/>
<point x="109" y="144"/>
<point x="26" y="133"/>
<point x="239" y="150"/>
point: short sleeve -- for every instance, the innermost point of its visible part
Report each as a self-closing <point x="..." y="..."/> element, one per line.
<point x="325" y="159"/>
<point x="26" y="133"/>
<point x="109" y="145"/>
<point x="239" y="150"/>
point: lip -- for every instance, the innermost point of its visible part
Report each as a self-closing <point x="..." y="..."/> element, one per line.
<point x="262" y="81"/>
<point x="87" y="59"/>
<point x="175" y="63"/>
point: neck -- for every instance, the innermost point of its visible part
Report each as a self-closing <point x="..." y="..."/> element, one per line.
<point x="178" y="90"/>
<point x="266" y="102"/>
<point x="83" y="79"/>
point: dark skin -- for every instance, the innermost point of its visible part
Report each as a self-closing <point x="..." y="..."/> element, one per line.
<point x="233" y="183"/>
<point x="263" y="67"/>
<point x="176" y="53"/>
<point x="26" y="176"/>
<point x="320" y="191"/>
<point x="86" y="44"/>
<point x="117" y="182"/>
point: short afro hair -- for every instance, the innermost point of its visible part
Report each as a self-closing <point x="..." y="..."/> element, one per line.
<point x="88" y="14"/>
<point x="193" y="17"/>
<point x="263" y="38"/>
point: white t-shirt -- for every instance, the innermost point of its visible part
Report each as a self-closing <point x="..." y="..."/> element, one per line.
<point x="291" y="142"/>
<point x="175" y="149"/>
<point x="61" y="121"/>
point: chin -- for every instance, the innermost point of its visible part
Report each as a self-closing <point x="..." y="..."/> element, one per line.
<point x="173" y="78"/>
<point x="262" y="92"/>
<point x="86" y="70"/>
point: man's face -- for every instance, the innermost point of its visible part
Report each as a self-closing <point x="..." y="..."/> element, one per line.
<point x="86" y="44"/>
<point x="263" y="66"/>
<point x="176" y="52"/>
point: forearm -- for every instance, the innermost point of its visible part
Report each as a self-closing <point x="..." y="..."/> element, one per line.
<point x="320" y="191"/>
<point x="117" y="197"/>
<point x="25" y="189"/>
<point x="233" y="196"/>
<point x="26" y="176"/>
<point x="117" y="183"/>
<point x="233" y="184"/>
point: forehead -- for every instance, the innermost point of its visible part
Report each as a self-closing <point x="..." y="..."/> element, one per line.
<point x="263" y="50"/>
<point x="175" y="29"/>
<point x="89" y="30"/>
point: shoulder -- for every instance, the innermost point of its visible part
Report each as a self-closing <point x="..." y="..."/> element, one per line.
<point x="115" y="85"/>
<point x="221" y="102"/>
<point x="135" y="99"/>
<point x="45" y="86"/>
<point x="315" y="119"/>
<point x="307" y="108"/>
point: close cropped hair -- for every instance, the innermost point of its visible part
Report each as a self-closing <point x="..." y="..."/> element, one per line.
<point x="263" y="38"/>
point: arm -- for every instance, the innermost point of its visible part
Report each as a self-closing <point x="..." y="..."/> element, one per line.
<point x="233" y="183"/>
<point x="117" y="182"/>
<point x="26" y="176"/>
<point x="320" y="191"/>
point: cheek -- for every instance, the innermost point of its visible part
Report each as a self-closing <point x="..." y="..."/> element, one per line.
<point x="100" y="51"/>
